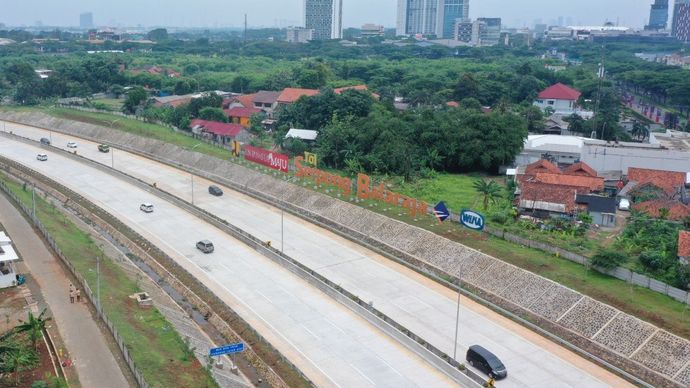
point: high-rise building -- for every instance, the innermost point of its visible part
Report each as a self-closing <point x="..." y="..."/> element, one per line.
<point x="487" y="31"/>
<point x="681" y="20"/>
<point x="463" y="30"/>
<point x="430" y="17"/>
<point x="325" y="17"/>
<point x="658" y="15"/>
<point x="86" y="20"/>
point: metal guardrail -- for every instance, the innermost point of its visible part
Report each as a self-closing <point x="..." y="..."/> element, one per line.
<point x="391" y="327"/>
<point x="384" y="252"/>
<point x="138" y="376"/>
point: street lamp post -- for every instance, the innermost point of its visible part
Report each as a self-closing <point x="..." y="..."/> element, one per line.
<point x="112" y="157"/>
<point x="98" y="282"/>
<point x="282" y="219"/>
<point x="457" y="325"/>
<point x="192" y="176"/>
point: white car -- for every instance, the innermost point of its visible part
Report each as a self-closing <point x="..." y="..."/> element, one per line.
<point x="71" y="145"/>
<point x="42" y="157"/>
<point x="624" y="204"/>
<point x="146" y="207"/>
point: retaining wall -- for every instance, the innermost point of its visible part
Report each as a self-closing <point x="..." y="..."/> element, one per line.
<point x="658" y="356"/>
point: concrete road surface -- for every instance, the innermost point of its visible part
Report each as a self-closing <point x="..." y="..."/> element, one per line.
<point x="328" y="342"/>
<point x="420" y="305"/>
<point x="95" y="364"/>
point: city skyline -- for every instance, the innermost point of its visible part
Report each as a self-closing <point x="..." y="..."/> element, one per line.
<point x="281" y="13"/>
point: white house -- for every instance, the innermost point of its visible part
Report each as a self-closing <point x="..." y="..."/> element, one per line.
<point x="8" y="275"/>
<point x="562" y="99"/>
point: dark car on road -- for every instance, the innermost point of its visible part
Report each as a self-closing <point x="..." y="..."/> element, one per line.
<point x="215" y="190"/>
<point x="45" y="140"/>
<point x="104" y="148"/>
<point x="486" y="361"/>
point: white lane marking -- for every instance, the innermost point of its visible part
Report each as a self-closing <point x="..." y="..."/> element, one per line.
<point x="313" y="334"/>
<point x="362" y="374"/>
<point x="264" y="296"/>
<point x="389" y="366"/>
<point x="334" y="325"/>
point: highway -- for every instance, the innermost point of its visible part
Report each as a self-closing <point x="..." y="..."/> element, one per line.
<point x="332" y="345"/>
<point x="419" y="304"/>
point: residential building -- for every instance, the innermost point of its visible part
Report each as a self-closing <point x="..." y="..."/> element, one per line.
<point x="86" y="20"/>
<point x="681" y="20"/>
<point x="463" y="30"/>
<point x="290" y="95"/>
<point x="172" y="101"/>
<point x="486" y="31"/>
<point x="602" y="209"/>
<point x="560" y="98"/>
<point x="221" y="133"/>
<point x="560" y="33"/>
<point x="325" y="17"/>
<point x="299" y="34"/>
<point x="373" y="30"/>
<point x="266" y="101"/>
<point x="8" y="257"/>
<point x="658" y="15"/>
<point x="430" y="17"/>
<point x="241" y="115"/>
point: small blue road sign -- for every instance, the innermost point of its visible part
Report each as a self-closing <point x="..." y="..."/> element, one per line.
<point x="441" y="212"/>
<point x="227" y="349"/>
<point x="472" y="220"/>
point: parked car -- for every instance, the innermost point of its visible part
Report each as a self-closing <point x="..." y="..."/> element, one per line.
<point x="624" y="204"/>
<point x="146" y="207"/>
<point x="71" y="144"/>
<point x="205" y="246"/>
<point x="486" y="361"/>
<point x="215" y="190"/>
<point x="104" y="148"/>
<point x="42" y="157"/>
<point x="45" y="140"/>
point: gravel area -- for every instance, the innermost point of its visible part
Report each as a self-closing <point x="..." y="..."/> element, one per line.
<point x="526" y="289"/>
<point x="555" y="302"/>
<point x="588" y="317"/>
<point x="625" y="334"/>
<point x="664" y="353"/>
<point x="498" y="277"/>
<point x="684" y="376"/>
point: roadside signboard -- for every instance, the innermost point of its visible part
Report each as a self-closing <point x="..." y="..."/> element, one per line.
<point x="471" y="219"/>
<point x="441" y="212"/>
<point x="267" y="158"/>
<point x="227" y="349"/>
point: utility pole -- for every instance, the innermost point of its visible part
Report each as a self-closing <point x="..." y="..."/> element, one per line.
<point x="457" y="324"/>
<point x="600" y="73"/>
<point x="112" y="158"/>
<point x="33" y="201"/>
<point x="192" y="176"/>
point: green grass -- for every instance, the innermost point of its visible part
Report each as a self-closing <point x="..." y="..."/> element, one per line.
<point x="112" y="104"/>
<point x="157" y="349"/>
<point x="457" y="191"/>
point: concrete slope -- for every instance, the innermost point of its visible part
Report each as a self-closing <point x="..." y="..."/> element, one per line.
<point x="332" y="345"/>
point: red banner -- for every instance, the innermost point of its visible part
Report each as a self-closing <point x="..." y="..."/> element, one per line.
<point x="267" y="158"/>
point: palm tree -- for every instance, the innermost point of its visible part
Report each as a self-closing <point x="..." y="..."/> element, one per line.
<point x="640" y="130"/>
<point x="489" y="189"/>
<point x="34" y="326"/>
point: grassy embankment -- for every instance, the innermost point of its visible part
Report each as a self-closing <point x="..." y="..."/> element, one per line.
<point x="157" y="349"/>
<point x="457" y="190"/>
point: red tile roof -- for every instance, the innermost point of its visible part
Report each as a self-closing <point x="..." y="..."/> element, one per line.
<point x="542" y="165"/>
<point x="356" y="87"/>
<point x="540" y="192"/>
<point x="684" y="244"/>
<point x="241" y="112"/>
<point x="587" y="182"/>
<point x="676" y="210"/>
<point x="290" y="95"/>
<point x="580" y="168"/>
<point x="665" y="180"/>
<point x="247" y="100"/>
<point x="218" y="128"/>
<point x="559" y="92"/>
<point x="453" y="104"/>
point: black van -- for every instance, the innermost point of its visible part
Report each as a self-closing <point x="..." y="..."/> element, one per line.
<point x="486" y="361"/>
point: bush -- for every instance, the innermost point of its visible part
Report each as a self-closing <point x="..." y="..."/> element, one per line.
<point x="608" y="259"/>
<point x="652" y="261"/>
<point x="500" y="218"/>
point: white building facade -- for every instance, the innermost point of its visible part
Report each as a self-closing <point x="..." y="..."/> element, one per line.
<point x="325" y="17"/>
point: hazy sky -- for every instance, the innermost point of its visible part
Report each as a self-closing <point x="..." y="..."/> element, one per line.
<point x="223" y="13"/>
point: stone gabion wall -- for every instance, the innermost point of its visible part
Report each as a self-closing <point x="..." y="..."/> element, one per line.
<point x="624" y="336"/>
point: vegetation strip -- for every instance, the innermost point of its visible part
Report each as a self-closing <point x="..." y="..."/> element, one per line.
<point x="209" y="304"/>
<point x="156" y="350"/>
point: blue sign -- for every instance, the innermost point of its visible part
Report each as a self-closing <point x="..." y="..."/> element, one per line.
<point x="441" y="211"/>
<point x="472" y="220"/>
<point x="227" y="349"/>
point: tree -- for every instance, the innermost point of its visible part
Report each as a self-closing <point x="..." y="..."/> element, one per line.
<point x="157" y="35"/>
<point x="117" y="90"/>
<point x="535" y="119"/>
<point x="35" y="326"/>
<point x="213" y="114"/>
<point x="467" y="87"/>
<point x="135" y="97"/>
<point x="640" y="131"/>
<point x="182" y="87"/>
<point x="576" y="124"/>
<point x="608" y="258"/>
<point x="489" y="190"/>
